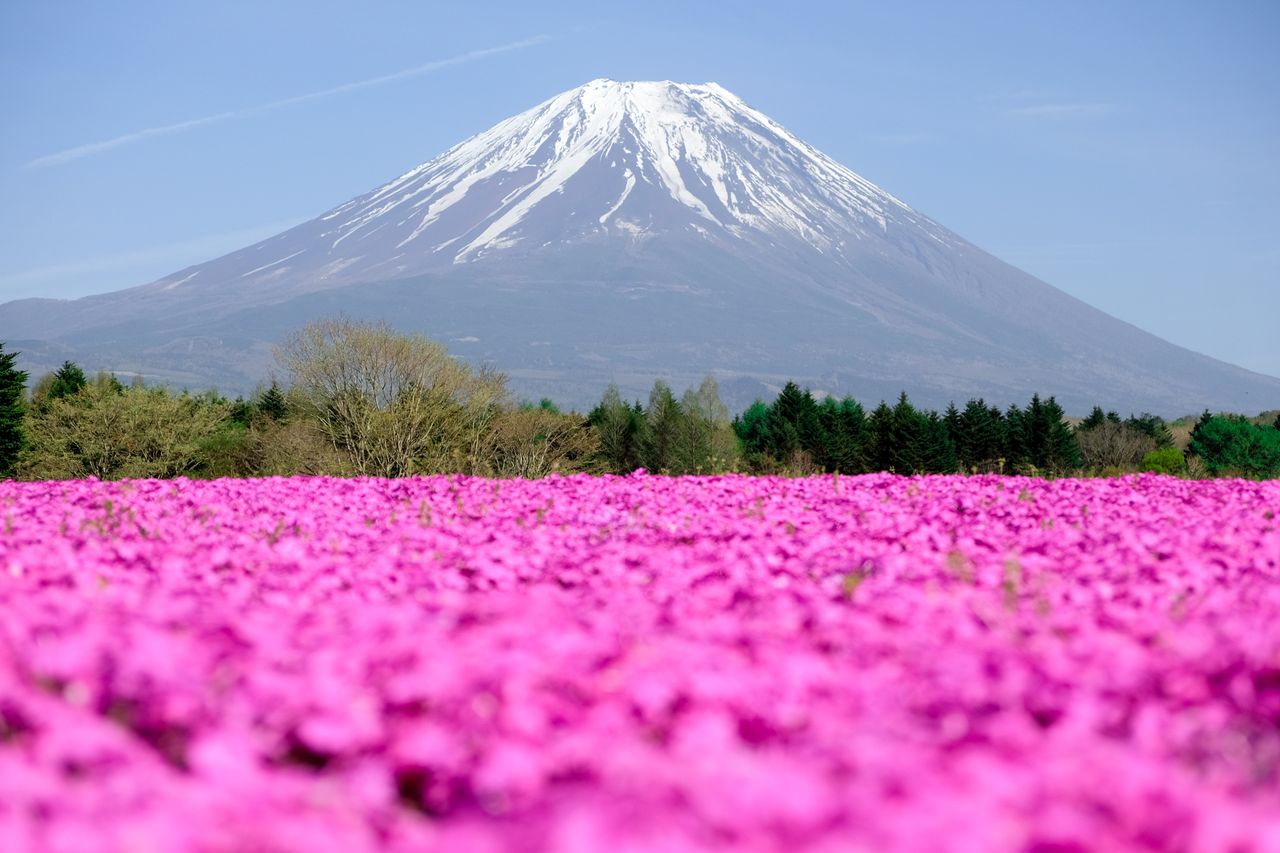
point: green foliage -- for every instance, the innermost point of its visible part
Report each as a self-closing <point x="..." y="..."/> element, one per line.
<point x="1039" y="438"/>
<point x="12" y="394"/>
<point x="705" y="441"/>
<point x="620" y="427"/>
<point x="67" y="380"/>
<point x="1231" y="444"/>
<point x="1152" y="426"/>
<point x="1166" y="460"/>
<point x="1097" y="418"/>
<point x="658" y="441"/>
<point x="978" y="432"/>
<point x="272" y="403"/>
<point x="108" y="433"/>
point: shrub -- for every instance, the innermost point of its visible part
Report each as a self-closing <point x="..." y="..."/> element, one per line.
<point x="109" y="432"/>
<point x="1167" y="460"/>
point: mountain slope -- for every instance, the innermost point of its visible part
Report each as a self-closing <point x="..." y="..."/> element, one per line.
<point x="632" y="230"/>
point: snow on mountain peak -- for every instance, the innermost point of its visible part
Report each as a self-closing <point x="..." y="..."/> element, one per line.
<point x="629" y="157"/>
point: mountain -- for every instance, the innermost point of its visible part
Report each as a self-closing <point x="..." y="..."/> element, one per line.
<point x="626" y="231"/>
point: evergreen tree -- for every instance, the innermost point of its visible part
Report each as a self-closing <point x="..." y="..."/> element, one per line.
<point x="845" y="426"/>
<point x="880" y="427"/>
<point x="272" y="403"/>
<point x="12" y="393"/>
<point x="794" y="423"/>
<point x="979" y="437"/>
<point x="1062" y="451"/>
<point x="753" y="430"/>
<point x="1276" y="423"/>
<point x="1231" y="444"/>
<point x="1095" y="419"/>
<point x="1152" y="426"/>
<point x="67" y="380"/>
<point x="1017" y="450"/>
<point x="909" y="437"/>
<point x="937" y="451"/>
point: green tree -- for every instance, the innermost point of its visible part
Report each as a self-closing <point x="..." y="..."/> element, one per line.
<point x="845" y="426"/>
<point x="1152" y="426"/>
<point x="705" y="441"/>
<point x="754" y="431"/>
<point x="882" y="445"/>
<point x="1097" y="418"/>
<point x="937" y="451"/>
<point x="980" y="437"/>
<point x="1062" y="451"/>
<point x="620" y="428"/>
<point x="67" y="380"/>
<point x="12" y="393"/>
<point x="104" y="433"/>
<point x="272" y="403"/>
<point x="662" y="424"/>
<point x="1229" y="444"/>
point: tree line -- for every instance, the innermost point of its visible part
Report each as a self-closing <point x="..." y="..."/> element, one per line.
<point x="366" y="400"/>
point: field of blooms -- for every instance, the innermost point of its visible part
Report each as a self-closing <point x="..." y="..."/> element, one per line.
<point x="640" y="663"/>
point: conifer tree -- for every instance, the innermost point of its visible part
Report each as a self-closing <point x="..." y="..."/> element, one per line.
<point x="753" y="430"/>
<point x="938" y="451"/>
<point x="67" y="380"/>
<point x="909" y="438"/>
<point x="272" y="403"/>
<point x="1062" y="451"/>
<point x="845" y="427"/>
<point x="880" y="427"/>
<point x="12" y="393"/>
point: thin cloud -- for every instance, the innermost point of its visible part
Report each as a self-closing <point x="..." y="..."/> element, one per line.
<point x="1069" y="110"/>
<point x="92" y="148"/>
<point x="158" y="259"/>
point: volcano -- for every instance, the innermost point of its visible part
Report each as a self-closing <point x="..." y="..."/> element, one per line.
<point x="629" y="231"/>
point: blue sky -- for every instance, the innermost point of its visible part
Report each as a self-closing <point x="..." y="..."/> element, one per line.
<point x="1128" y="153"/>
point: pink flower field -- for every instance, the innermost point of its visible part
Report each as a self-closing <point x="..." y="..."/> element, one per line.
<point x="640" y="663"/>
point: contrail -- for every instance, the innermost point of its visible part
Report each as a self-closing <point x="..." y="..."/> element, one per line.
<point x="163" y="130"/>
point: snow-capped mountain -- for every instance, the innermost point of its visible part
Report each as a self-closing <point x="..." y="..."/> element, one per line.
<point x="631" y="230"/>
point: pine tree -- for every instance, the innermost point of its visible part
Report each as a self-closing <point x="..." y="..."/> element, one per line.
<point x="1276" y="423"/>
<point x="1017" y="451"/>
<point x="909" y="438"/>
<point x="12" y="393"/>
<point x="1152" y="426"/>
<point x="67" y="380"/>
<point x="1095" y="419"/>
<point x="1062" y="451"/>
<point x="845" y="428"/>
<point x="938" y="451"/>
<point x="753" y="430"/>
<point x="880" y="427"/>
<point x="272" y="403"/>
<point x="794" y="423"/>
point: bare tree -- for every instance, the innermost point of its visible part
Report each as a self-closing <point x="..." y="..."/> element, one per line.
<point x="1113" y="445"/>
<point x="534" y="442"/>
<point x="396" y="404"/>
